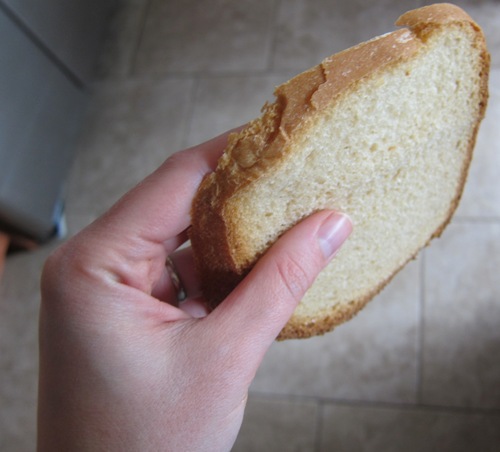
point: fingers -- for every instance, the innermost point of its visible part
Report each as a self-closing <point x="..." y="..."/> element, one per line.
<point x="186" y="269"/>
<point x="260" y="306"/>
<point x="182" y="262"/>
<point x="195" y="307"/>
<point x="131" y="242"/>
<point x="158" y="208"/>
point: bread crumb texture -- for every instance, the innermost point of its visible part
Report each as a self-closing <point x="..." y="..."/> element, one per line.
<point x="383" y="132"/>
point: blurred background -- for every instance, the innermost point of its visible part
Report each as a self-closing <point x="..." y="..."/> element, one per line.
<point x="94" y="95"/>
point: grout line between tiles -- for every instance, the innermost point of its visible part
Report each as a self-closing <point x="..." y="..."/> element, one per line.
<point x="474" y="220"/>
<point x="273" y="38"/>
<point x="421" y="329"/>
<point x="133" y="60"/>
<point x="190" y="111"/>
<point x="152" y="76"/>
<point x="318" y="432"/>
<point x="406" y="406"/>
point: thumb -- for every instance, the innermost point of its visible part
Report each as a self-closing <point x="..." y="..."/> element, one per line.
<point x="257" y="310"/>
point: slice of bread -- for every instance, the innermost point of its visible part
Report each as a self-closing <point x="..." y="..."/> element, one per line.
<point x="383" y="131"/>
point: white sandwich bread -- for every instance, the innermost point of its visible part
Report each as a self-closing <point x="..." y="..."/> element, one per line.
<point x="383" y="132"/>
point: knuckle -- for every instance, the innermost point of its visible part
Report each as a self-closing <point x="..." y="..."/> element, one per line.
<point x="295" y="276"/>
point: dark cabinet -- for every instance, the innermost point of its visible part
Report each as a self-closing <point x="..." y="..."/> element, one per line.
<point x="48" y="51"/>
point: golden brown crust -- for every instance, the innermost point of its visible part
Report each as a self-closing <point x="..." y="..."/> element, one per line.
<point x="265" y="143"/>
<point x="434" y="15"/>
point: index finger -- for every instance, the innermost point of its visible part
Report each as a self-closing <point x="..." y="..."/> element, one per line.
<point x="158" y="209"/>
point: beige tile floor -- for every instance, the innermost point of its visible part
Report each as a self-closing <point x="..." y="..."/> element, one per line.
<point x="419" y="368"/>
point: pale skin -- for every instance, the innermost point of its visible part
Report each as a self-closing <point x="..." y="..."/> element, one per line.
<point x="123" y="366"/>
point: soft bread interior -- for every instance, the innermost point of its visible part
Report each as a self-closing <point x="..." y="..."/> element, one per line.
<point x="392" y="153"/>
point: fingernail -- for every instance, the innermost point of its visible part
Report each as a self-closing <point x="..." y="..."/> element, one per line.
<point x="333" y="233"/>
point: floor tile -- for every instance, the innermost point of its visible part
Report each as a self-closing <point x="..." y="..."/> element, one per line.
<point x="213" y="35"/>
<point x="481" y="196"/>
<point x="123" y="34"/>
<point x="462" y="318"/>
<point x="358" y="428"/>
<point x="132" y="128"/>
<point x="277" y="425"/>
<point x="310" y="30"/>
<point x="372" y="357"/>
<point x="222" y="103"/>
<point x="19" y="304"/>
